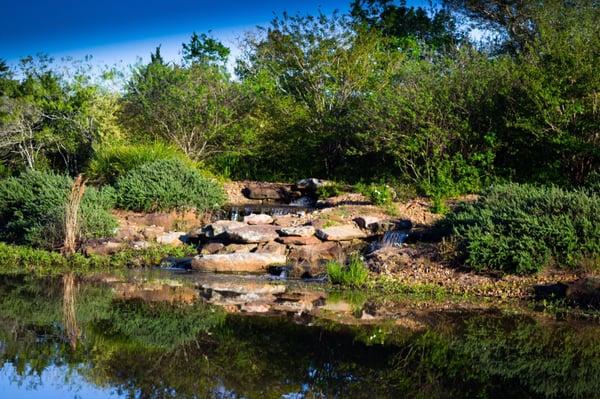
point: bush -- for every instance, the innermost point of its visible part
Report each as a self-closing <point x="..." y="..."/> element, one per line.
<point x="522" y="229"/>
<point x="355" y="274"/>
<point x="32" y="210"/>
<point x="378" y="194"/>
<point x="111" y="162"/>
<point x="167" y="184"/>
<point x="330" y="190"/>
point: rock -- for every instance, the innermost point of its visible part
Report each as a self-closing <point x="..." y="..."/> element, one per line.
<point x="179" y="263"/>
<point x="102" y="248"/>
<point x="383" y="226"/>
<point x="260" y="218"/>
<point x="286" y="221"/>
<point x="237" y="248"/>
<point x="312" y="240"/>
<point x="272" y="248"/>
<point x="151" y="233"/>
<point x="237" y="262"/>
<point x="267" y="192"/>
<point x="211" y="248"/>
<point x="309" y="185"/>
<point x="340" y="233"/>
<point x="306" y="269"/>
<point x="253" y="234"/>
<point x="139" y="245"/>
<point x="313" y="254"/>
<point x="300" y="231"/>
<point x="221" y="227"/>
<point x="585" y="292"/>
<point x="366" y="222"/>
<point x="174" y="238"/>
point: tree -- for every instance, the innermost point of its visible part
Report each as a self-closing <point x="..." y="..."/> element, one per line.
<point x="204" y="49"/>
<point x="196" y="107"/>
<point x="436" y="28"/>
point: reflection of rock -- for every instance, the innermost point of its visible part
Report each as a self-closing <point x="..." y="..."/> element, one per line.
<point x="156" y="292"/>
<point x="585" y="292"/>
<point x="237" y="262"/>
<point x="260" y="218"/>
<point x="340" y="233"/>
<point x="253" y="234"/>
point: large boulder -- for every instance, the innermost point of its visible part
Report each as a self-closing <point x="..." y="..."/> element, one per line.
<point x="314" y="254"/>
<point x="340" y="233"/>
<point x="259" y="218"/>
<point x="237" y="262"/>
<point x="299" y="231"/>
<point x="253" y="234"/>
<point x="267" y="192"/>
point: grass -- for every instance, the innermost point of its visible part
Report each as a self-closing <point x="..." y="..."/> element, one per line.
<point x="16" y="259"/>
<point x="354" y="274"/>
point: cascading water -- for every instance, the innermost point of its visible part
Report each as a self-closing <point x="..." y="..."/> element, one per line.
<point x="393" y="238"/>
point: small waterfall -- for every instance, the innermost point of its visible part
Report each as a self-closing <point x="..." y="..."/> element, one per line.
<point x="303" y="202"/>
<point x="235" y="214"/>
<point x="393" y="238"/>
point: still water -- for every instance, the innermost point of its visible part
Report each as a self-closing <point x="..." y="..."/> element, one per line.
<point x="63" y="338"/>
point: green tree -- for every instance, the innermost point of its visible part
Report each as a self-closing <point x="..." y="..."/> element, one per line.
<point x="204" y="49"/>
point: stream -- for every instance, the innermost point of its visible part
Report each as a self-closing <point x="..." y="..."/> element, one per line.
<point x="169" y="335"/>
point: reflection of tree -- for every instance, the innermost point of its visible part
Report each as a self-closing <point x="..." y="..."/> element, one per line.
<point x="69" y="315"/>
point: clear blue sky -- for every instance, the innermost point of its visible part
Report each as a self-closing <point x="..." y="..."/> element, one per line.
<point x="120" y="30"/>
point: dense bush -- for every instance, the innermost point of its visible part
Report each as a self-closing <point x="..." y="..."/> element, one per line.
<point x="165" y="185"/>
<point x="113" y="161"/>
<point x="32" y="210"/>
<point x="522" y="229"/>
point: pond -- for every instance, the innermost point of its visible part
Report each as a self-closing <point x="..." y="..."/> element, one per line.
<point x="68" y="338"/>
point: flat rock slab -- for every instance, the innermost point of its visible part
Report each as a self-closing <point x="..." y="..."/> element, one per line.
<point x="260" y="218"/>
<point x="253" y="234"/>
<point x="340" y="233"/>
<point x="300" y="231"/>
<point x="312" y="240"/>
<point x="237" y="262"/>
<point x="174" y="238"/>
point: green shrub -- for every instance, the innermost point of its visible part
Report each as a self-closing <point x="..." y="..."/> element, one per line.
<point x="354" y="274"/>
<point x="330" y="190"/>
<point x="522" y="229"/>
<point x="111" y="162"/>
<point x="167" y="184"/>
<point x="378" y="194"/>
<point x="32" y="210"/>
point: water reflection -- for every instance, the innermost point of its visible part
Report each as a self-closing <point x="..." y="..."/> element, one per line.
<point x="64" y="338"/>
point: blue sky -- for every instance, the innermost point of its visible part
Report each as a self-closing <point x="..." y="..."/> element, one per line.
<point x="120" y="30"/>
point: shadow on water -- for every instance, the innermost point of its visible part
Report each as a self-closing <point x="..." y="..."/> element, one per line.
<point x="82" y="335"/>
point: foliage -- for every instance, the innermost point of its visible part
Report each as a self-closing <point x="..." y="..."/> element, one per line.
<point x="329" y="190"/>
<point x="378" y="194"/>
<point x="522" y="229"/>
<point x="167" y="184"/>
<point x="205" y="49"/>
<point x="113" y="161"/>
<point x="354" y="274"/>
<point x="32" y="210"/>
<point x="195" y="108"/>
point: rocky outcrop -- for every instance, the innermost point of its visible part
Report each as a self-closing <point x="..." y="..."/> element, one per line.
<point x="237" y="262"/>
<point x="340" y="233"/>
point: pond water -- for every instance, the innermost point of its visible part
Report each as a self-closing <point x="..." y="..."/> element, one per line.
<point x="65" y="338"/>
